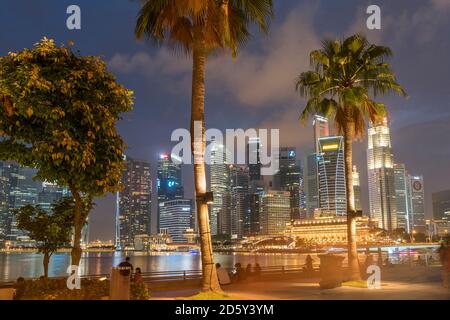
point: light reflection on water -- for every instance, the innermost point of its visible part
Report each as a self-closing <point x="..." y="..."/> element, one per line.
<point x="29" y="265"/>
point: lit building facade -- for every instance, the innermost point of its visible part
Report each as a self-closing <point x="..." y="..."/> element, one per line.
<point x="416" y="208"/>
<point x="328" y="231"/>
<point x="321" y="130"/>
<point x="356" y="189"/>
<point x="441" y="205"/>
<point x="331" y="170"/>
<point x="221" y="188"/>
<point x="380" y="164"/>
<point x="240" y="205"/>
<point x="401" y="196"/>
<point x="275" y="212"/>
<point x="176" y="218"/>
<point x="169" y="182"/>
<point x="310" y="184"/>
<point x="134" y="203"/>
<point x="289" y="177"/>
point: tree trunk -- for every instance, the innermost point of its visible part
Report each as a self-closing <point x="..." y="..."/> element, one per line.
<point x="210" y="281"/>
<point x="352" y="250"/>
<point x="78" y="226"/>
<point x="46" y="263"/>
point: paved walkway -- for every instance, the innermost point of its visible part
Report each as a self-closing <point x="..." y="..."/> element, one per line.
<point x="399" y="282"/>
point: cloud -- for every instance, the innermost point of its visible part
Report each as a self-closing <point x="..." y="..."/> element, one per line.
<point x="267" y="77"/>
<point x="256" y="78"/>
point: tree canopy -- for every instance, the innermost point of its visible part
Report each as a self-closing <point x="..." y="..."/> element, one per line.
<point x="60" y="115"/>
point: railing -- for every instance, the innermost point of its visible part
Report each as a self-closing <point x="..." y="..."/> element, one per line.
<point x="180" y="275"/>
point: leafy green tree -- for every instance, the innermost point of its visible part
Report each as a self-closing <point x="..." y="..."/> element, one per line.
<point x="50" y="231"/>
<point x="60" y="117"/>
<point x="198" y="28"/>
<point x="346" y="74"/>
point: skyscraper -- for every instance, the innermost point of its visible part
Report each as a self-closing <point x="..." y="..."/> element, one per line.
<point x="380" y="166"/>
<point x="134" y="202"/>
<point x="240" y="209"/>
<point x="331" y="169"/>
<point x="176" y="218"/>
<point x="4" y="200"/>
<point x="321" y="130"/>
<point x="310" y="183"/>
<point x="275" y="212"/>
<point x="23" y="190"/>
<point x="356" y="189"/>
<point x="417" y="203"/>
<point x="169" y="182"/>
<point x="254" y="158"/>
<point x="310" y="168"/>
<point x="221" y="188"/>
<point x="441" y="205"/>
<point x="401" y="196"/>
<point x="50" y="194"/>
<point x="289" y="178"/>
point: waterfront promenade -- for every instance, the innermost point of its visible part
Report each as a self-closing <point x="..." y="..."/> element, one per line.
<point x="399" y="282"/>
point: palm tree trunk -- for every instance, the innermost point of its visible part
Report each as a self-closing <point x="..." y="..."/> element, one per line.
<point x="78" y="225"/>
<point x="46" y="263"/>
<point x="352" y="250"/>
<point x="210" y="281"/>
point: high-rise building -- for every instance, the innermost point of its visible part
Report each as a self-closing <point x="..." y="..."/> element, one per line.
<point x="50" y="194"/>
<point x="416" y="204"/>
<point x="23" y="191"/>
<point x="401" y="196"/>
<point x="254" y="158"/>
<point x="176" y="218"/>
<point x="4" y="200"/>
<point x="380" y="166"/>
<point x="275" y="212"/>
<point x="169" y="182"/>
<point x="134" y="202"/>
<point x="441" y="205"/>
<point x="310" y="184"/>
<point x="220" y="187"/>
<point x="356" y="189"/>
<point x="289" y="177"/>
<point x="321" y="130"/>
<point x="240" y="209"/>
<point x="331" y="169"/>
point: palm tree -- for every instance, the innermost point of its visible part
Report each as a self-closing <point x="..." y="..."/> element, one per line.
<point x="346" y="74"/>
<point x="197" y="28"/>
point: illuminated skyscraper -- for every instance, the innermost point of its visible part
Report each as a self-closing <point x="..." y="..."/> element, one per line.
<point x="254" y="158"/>
<point x="441" y="205"/>
<point x="310" y="184"/>
<point x="221" y="188"/>
<point x="134" y="202"/>
<point x="356" y="189"/>
<point x="321" y="130"/>
<point x="401" y="196"/>
<point x="169" y="182"/>
<point x="4" y="200"/>
<point x="51" y="193"/>
<point x="176" y="218"/>
<point x="289" y="178"/>
<point x="380" y="166"/>
<point x="416" y="203"/>
<point x="275" y="212"/>
<point x="310" y="167"/>
<point x="331" y="168"/>
<point x="240" y="208"/>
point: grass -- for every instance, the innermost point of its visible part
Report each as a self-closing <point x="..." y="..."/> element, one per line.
<point x="209" y="296"/>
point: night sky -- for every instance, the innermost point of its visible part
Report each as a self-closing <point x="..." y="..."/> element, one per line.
<point x="257" y="89"/>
